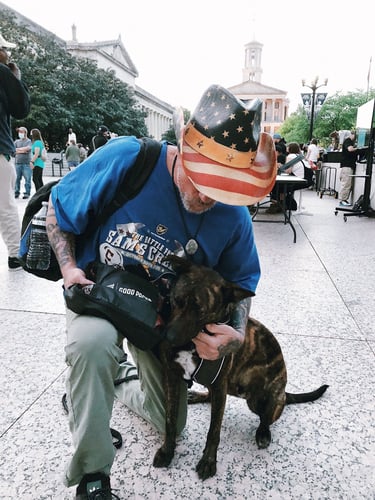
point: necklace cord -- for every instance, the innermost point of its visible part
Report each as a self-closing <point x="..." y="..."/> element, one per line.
<point x="192" y="245"/>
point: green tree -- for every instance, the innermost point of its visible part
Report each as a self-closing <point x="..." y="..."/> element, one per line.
<point x="69" y="92"/>
<point x="296" y="127"/>
<point x="339" y="112"/>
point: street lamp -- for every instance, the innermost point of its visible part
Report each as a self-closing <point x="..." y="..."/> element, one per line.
<point x="314" y="87"/>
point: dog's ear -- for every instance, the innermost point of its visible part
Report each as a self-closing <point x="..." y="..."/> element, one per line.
<point x="234" y="293"/>
<point x="179" y="265"/>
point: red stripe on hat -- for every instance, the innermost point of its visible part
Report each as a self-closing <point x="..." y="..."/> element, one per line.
<point x="261" y="172"/>
<point x="231" y="185"/>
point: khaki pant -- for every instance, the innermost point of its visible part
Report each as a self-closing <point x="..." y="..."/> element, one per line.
<point x="10" y="228"/>
<point x="93" y="354"/>
<point x="346" y="183"/>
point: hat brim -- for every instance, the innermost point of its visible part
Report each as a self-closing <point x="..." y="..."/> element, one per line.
<point x="231" y="185"/>
<point x="178" y="126"/>
<point x="6" y="45"/>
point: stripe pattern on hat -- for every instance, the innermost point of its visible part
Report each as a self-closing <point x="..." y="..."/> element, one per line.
<point x="229" y="185"/>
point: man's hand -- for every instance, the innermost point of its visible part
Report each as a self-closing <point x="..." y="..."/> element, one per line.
<point x="220" y="341"/>
<point x="74" y="275"/>
<point x="3" y="56"/>
<point x="15" y="70"/>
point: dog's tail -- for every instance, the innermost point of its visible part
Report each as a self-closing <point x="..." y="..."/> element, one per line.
<point x="305" y="397"/>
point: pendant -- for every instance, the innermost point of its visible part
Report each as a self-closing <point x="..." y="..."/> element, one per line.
<point x="191" y="247"/>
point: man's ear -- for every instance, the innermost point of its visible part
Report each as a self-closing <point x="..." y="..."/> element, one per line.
<point x="233" y="293"/>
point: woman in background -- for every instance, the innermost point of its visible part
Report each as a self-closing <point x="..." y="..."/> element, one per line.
<point x="36" y="163"/>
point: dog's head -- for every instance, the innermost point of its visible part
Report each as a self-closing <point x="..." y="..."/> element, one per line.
<point x="198" y="296"/>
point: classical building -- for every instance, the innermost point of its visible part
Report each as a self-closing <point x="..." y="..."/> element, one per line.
<point x="275" y="102"/>
<point x="111" y="54"/>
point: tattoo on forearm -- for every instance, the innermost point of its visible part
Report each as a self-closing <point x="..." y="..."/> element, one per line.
<point x="230" y="348"/>
<point x="240" y="315"/>
<point x="62" y="243"/>
<point x="238" y="321"/>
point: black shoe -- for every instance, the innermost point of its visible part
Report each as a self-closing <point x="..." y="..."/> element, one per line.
<point x="14" y="264"/>
<point x="16" y="195"/>
<point x="95" y="487"/>
<point x="25" y="196"/>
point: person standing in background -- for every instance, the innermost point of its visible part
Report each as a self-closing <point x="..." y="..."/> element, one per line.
<point x="347" y="168"/>
<point x="313" y="152"/>
<point x="102" y="137"/>
<point x="36" y="162"/>
<point x="72" y="155"/>
<point x="14" y="101"/>
<point x="71" y="137"/>
<point x="22" y="161"/>
<point x="82" y="152"/>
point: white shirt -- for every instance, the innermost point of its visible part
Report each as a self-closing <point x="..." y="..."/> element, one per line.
<point x="297" y="168"/>
<point x="312" y="152"/>
<point x="72" y="137"/>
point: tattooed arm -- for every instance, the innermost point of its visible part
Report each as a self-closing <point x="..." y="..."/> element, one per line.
<point x="63" y="244"/>
<point x="224" y="338"/>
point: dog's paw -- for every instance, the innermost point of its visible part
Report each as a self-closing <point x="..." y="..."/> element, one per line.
<point x="206" y="468"/>
<point x="195" y="397"/>
<point x="162" y="458"/>
<point x="263" y="437"/>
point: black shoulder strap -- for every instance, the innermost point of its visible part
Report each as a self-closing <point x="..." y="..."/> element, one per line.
<point x="35" y="203"/>
<point x="135" y="177"/>
<point x="133" y="182"/>
<point x="291" y="162"/>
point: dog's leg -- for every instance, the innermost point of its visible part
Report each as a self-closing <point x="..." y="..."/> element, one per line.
<point x="172" y="380"/>
<point x="268" y="407"/>
<point x="207" y="464"/>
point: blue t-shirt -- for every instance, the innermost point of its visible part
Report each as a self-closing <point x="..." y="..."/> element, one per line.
<point x="38" y="144"/>
<point x="150" y="227"/>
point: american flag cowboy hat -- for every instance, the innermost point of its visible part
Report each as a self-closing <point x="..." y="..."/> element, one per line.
<point x="223" y="151"/>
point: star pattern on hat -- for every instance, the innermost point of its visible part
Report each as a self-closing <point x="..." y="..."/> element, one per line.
<point x="227" y="121"/>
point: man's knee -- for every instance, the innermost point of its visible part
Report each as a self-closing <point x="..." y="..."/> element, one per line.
<point x="92" y="338"/>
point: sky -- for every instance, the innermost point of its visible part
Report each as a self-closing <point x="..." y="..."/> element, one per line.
<point x="181" y="47"/>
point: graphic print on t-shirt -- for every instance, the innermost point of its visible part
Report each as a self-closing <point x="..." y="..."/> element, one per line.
<point x="135" y="243"/>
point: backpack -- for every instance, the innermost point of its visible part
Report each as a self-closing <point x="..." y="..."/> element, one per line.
<point x="36" y="255"/>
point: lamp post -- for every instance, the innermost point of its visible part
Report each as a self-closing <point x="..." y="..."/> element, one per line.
<point x="314" y="87"/>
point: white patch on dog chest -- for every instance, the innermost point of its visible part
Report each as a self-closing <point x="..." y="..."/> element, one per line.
<point x="186" y="360"/>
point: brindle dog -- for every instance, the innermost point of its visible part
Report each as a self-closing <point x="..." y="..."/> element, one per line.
<point x="256" y="372"/>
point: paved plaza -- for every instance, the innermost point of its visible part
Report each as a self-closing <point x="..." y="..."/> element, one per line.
<point x="316" y="295"/>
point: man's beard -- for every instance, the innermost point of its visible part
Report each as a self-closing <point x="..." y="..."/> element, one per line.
<point x="196" y="206"/>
